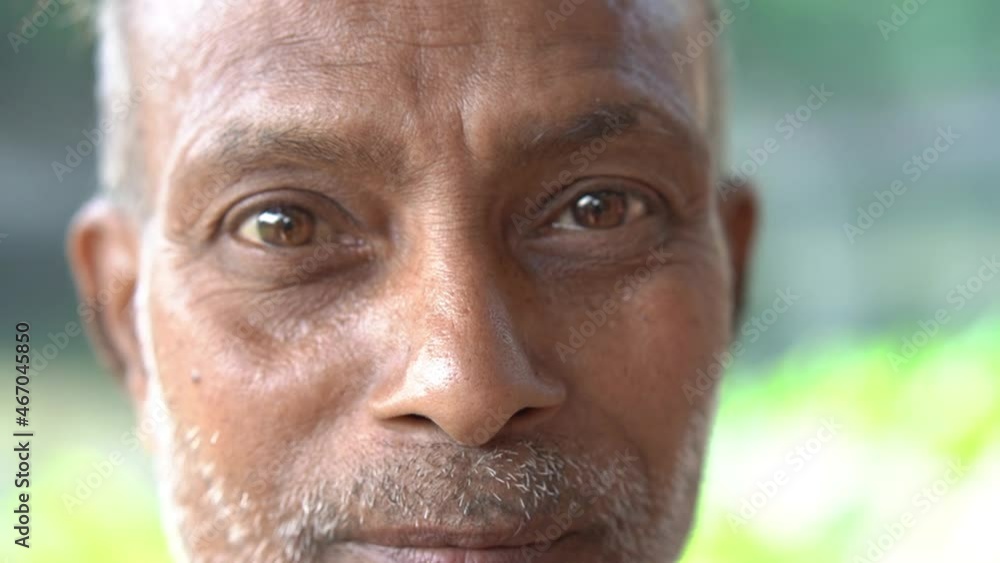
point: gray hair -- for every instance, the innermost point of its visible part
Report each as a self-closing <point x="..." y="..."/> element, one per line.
<point x="120" y="174"/>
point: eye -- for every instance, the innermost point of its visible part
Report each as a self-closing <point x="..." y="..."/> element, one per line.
<point x="281" y="226"/>
<point x="606" y="209"/>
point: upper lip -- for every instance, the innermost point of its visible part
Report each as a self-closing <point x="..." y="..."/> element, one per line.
<point x="455" y="538"/>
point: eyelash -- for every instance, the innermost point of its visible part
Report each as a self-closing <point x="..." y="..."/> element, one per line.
<point x="558" y="202"/>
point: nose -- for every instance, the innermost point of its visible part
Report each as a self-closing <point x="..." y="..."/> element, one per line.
<point x="467" y="374"/>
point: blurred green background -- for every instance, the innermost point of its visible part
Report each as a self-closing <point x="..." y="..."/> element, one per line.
<point x="832" y="445"/>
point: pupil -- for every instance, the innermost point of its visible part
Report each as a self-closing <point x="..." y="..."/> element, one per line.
<point x="282" y="226"/>
<point x="600" y="210"/>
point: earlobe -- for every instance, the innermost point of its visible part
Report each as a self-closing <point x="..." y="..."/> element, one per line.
<point x="103" y="251"/>
<point x="739" y="211"/>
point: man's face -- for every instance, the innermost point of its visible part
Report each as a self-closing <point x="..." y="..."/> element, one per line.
<point x="422" y="281"/>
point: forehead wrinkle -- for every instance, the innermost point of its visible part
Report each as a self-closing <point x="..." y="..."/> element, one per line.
<point x="345" y="66"/>
<point x="291" y="56"/>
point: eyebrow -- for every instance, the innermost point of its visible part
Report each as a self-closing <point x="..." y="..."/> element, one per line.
<point x="243" y="145"/>
<point x="616" y="119"/>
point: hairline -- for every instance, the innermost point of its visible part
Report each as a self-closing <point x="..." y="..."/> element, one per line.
<point x="121" y="170"/>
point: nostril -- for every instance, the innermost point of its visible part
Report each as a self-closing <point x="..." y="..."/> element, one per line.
<point x="526" y="415"/>
<point x="523" y="413"/>
<point x="413" y="420"/>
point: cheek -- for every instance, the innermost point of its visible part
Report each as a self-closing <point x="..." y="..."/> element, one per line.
<point x="255" y="379"/>
<point x="634" y="369"/>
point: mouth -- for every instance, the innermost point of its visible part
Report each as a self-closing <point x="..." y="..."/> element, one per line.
<point x="413" y="546"/>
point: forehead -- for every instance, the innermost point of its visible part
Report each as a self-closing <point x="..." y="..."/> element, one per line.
<point x="403" y="65"/>
<point x="359" y="30"/>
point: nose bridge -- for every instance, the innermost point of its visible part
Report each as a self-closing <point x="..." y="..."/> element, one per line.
<point x="466" y="350"/>
<point x="458" y="288"/>
<point x="467" y="373"/>
<point x="468" y="326"/>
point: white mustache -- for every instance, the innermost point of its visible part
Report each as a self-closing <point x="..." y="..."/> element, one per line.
<point x="445" y="486"/>
<point x="515" y="489"/>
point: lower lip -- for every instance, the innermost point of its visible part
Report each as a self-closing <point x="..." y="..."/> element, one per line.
<point x="385" y="554"/>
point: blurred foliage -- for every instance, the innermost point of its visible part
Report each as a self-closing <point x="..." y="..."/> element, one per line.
<point x="898" y="434"/>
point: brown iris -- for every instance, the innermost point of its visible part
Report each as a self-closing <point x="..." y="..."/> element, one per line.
<point x="283" y="226"/>
<point x="600" y="210"/>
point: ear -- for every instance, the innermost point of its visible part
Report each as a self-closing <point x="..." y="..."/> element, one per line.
<point x="103" y="248"/>
<point x="738" y="206"/>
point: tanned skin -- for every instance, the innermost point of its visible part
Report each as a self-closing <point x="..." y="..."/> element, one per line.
<point x="365" y="289"/>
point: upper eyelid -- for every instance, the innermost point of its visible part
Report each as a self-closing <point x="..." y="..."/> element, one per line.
<point x="560" y="198"/>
